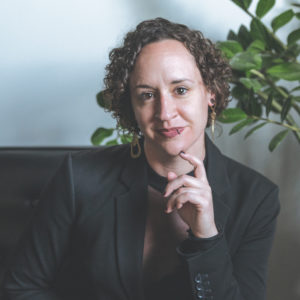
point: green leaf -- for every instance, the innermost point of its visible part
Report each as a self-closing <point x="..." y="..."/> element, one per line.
<point x="282" y="19"/>
<point x="297" y="88"/>
<point x="258" y="31"/>
<point x="296" y="98"/>
<point x="244" y="4"/>
<point x="269" y="104"/>
<point x="125" y="139"/>
<point x="257" y="46"/>
<point x="251" y="83"/>
<point x="293" y="50"/>
<point x="267" y="60"/>
<point x="298" y="14"/>
<point x="263" y="7"/>
<point x="296" y="4"/>
<point x="277" y="139"/>
<point x="246" y="61"/>
<point x="100" y="99"/>
<point x="231" y="115"/>
<point x="244" y="36"/>
<point x="232" y="35"/>
<point x="293" y="37"/>
<point x="254" y="129"/>
<point x="112" y="142"/>
<point x="239" y="92"/>
<point x="240" y="125"/>
<point x="254" y="106"/>
<point x="230" y="48"/>
<point x="287" y="71"/>
<point x="285" y="108"/>
<point x="100" y="134"/>
<point x="276" y="44"/>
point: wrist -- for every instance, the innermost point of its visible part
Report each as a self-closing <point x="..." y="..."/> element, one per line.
<point x="207" y="235"/>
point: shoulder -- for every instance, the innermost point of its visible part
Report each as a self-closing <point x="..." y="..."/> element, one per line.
<point x="94" y="168"/>
<point x="251" y="188"/>
<point x="100" y="158"/>
<point x="245" y="175"/>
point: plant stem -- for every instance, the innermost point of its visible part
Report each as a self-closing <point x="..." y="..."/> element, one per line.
<point x="271" y="83"/>
<point x="292" y="122"/>
<point x="289" y="118"/>
<point x="277" y="123"/>
<point x="268" y="30"/>
<point x="277" y="88"/>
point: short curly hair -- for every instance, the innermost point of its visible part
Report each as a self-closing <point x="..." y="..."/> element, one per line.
<point x="214" y="68"/>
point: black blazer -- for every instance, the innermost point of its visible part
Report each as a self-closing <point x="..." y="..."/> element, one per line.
<point x="86" y="238"/>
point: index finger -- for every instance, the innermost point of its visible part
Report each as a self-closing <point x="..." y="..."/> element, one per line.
<point x="198" y="165"/>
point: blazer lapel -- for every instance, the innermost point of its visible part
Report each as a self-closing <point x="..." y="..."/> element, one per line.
<point x="131" y="206"/>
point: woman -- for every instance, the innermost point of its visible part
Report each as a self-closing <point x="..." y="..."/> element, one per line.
<point x="168" y="217"/>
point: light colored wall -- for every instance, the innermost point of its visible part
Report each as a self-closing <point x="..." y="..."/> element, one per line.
<point x="52" y="59"/>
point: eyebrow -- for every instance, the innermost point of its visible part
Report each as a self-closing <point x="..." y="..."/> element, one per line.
<point x="181" y="80"/>
<point x="145" y="86"/>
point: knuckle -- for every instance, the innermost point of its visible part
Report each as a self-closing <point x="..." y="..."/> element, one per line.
<point x="205" y="204"/>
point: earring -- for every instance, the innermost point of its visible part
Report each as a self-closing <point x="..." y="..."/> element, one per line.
<point x="135" y="143"/>
<point x="213" y="118"/>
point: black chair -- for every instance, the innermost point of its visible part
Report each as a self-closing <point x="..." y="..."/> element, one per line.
<point x="23" y="174"/>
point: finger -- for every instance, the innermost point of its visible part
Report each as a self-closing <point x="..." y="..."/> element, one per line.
<point x="199" y="168"/>
<point x="174" y="201"/>
<point x="177" y="201"/>
<point x="186" y="181"/>
<point x="171" y="176"/>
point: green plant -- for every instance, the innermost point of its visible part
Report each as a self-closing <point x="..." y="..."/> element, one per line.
<point x="261" y="64"/>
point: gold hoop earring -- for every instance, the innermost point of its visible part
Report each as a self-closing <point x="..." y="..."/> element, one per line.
<point x="135" y="143"/>
<point x="213" y="118"/>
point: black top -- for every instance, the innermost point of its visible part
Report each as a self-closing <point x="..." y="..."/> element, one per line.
<point x="159" y="182"/>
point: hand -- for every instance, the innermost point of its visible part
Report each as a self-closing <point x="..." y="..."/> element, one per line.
<point x="192" y="197"/>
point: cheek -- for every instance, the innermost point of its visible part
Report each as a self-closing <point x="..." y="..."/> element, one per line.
<point x="195" y="113"/>
<point x="143" y="116"/>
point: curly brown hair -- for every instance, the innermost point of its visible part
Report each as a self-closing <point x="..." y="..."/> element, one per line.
<point x="213" y="67"/>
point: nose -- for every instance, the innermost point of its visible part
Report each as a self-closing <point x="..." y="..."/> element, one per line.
<point x="165" y="108"/>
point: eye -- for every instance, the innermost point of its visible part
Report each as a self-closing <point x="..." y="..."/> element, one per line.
<point x="146" y="95"/>
<point x="181" y="91"/>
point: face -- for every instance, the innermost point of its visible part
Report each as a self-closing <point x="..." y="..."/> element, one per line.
<point x="169" y="99"/>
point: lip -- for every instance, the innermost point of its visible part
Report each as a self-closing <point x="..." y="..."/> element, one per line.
<point x="170" y="132"/>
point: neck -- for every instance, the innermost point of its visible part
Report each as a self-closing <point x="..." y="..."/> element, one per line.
<point x="162" y="162"/>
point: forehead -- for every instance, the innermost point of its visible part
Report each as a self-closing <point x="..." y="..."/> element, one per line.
<point x="165" y="58"/>
<point x="163" y="49"/>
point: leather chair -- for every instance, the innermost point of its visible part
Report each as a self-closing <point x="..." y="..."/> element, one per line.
<point x="23" y="174"/>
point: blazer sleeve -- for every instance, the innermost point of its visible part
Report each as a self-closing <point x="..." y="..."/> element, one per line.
<point x="216" y="274"/>
<point x="40" y="255"/>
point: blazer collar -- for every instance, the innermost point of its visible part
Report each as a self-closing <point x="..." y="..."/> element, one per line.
<point x="219" y="182"/>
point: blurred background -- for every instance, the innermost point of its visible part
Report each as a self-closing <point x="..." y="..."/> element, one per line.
<point x="53" y="55"/>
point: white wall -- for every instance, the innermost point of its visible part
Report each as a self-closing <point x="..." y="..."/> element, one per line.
<point x="52" y="58"/>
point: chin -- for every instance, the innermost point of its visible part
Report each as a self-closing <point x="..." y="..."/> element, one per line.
<point x="173" y="148"/>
